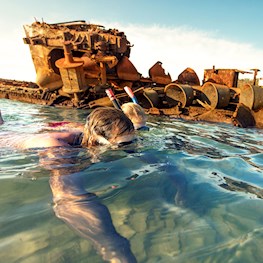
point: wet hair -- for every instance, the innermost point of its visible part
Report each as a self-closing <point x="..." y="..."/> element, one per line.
<point x="104" y="124"/>
<point x="135" y="113"/>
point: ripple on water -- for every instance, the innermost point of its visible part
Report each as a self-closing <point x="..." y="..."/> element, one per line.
<point x="15" y="163"/>
<point x="184" y="192"/>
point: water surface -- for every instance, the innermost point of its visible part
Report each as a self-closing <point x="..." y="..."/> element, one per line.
<point x="184" y="192"/>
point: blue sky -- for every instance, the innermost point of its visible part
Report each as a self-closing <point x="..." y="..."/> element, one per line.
<point x="190" y="33"/>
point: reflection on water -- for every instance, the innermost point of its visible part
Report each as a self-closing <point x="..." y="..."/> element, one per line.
<point x="184" y="192"/>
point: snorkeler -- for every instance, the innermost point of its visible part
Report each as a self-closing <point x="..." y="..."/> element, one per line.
<point x="82" y="210"/>
<point x="104" y="125"/>
<point x="77" y="207"/>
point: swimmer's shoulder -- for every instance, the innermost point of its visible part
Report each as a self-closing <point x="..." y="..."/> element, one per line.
<point x="43" y="141"/>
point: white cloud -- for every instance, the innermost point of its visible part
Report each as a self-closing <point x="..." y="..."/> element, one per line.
<point x="15" y="58"/>
<point x="177" y="48"/>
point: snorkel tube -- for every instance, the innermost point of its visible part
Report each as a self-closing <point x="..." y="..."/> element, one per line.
<point x="131" y="94"/>
<point x="113" y="99"/>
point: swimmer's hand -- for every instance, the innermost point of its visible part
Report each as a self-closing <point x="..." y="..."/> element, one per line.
<point x="121" y="254"/>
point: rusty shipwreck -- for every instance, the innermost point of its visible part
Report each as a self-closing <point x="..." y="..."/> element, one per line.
<point x="76" y="62"/>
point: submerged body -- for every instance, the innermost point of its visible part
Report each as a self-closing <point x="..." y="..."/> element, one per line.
<point x="80" y="209"/>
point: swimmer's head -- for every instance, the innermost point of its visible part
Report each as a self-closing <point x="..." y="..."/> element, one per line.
<point x="107" y="125"/>
<point x="135" y="113"/>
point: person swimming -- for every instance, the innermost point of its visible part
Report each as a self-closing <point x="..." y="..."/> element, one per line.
<point x="104" y="125"/>
<point x="81" y="210"/>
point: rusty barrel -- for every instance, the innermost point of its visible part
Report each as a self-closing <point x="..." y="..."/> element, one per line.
<point x="179" y="94"/>
<point x="215" y="95"/>
<point x="251" y="96"/>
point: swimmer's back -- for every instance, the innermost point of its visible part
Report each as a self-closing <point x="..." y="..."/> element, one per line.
<point x="43" y="140"/>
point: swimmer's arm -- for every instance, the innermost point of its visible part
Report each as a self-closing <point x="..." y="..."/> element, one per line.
<point x="81" y="210"/>
<point x="47" y="140"/>
<point x="44" y="143"/>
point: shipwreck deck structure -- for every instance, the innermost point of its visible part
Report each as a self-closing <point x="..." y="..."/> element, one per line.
<point x="76" y="62"/>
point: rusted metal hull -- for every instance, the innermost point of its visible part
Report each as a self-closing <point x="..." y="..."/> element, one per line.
<point x="152" y="99"/>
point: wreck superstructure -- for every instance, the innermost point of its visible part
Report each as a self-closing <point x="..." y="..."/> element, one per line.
<point x="76" y="62"/>
<point x="79" y="60"/>
<point x="96" y="49"/>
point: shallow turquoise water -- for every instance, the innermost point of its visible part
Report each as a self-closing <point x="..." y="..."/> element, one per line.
<point x="184" y="192"/>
